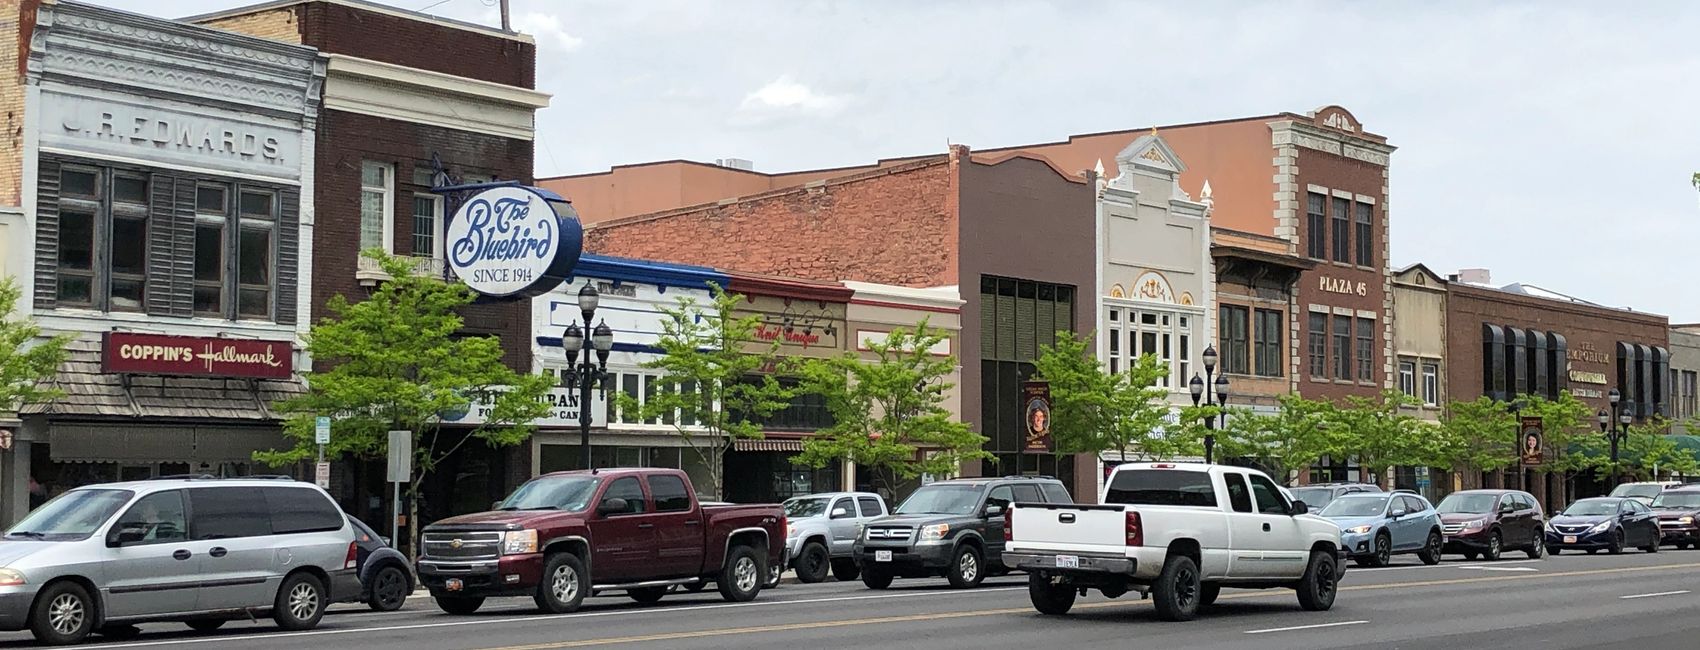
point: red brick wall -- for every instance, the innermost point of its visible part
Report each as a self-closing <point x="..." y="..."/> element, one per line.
<point x="341" y="29"/>
<point x="347" y="139"/>
<point x="1358" y="177"/>
<point x="892" y="226"/>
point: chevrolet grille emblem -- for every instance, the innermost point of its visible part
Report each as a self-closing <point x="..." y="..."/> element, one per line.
<point x="456" y="543"/>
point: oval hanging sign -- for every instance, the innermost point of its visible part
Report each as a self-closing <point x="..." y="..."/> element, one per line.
<point x="508" y="242"/>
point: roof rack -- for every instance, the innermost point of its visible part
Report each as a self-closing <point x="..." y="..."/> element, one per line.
<point x="1034" y="477"/>
<point x="209" y="477"/>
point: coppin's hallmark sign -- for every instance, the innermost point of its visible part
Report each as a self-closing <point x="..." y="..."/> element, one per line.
<point x="508" y="242"/>
<point x="1346" y="287"/>
<point x="157" y="354"/>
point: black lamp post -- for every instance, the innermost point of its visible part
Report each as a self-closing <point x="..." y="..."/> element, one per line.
<point x="1196" y="387"/>
<point x="585" y="375"/>
<point x="1618" y="420"/>
<point x="1517" y="441"/>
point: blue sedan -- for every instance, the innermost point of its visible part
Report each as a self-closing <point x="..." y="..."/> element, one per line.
<point x="1375" y="527"/>
<point x="1608" y="523"/>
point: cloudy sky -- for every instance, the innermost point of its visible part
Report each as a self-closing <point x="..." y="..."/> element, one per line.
<point x="1550" y="142"/>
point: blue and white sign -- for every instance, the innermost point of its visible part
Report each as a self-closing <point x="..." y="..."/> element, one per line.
<point x="508" y="242"/>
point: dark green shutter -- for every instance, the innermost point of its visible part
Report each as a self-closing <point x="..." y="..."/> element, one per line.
<point x="47" y="235"/>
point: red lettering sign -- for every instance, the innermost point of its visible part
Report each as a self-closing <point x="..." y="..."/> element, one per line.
<point x="156" y="354"/>
<point x="791" y="336"/>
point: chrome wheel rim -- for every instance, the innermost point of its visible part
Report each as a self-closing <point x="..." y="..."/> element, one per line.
<point x="303" y="601"/>
<point x="744" y="574"/>
<point x="1493" y="547"/>
<point x="564" y="584"/>
<point x="66" y="614"/>
<point x="968" y="567"/>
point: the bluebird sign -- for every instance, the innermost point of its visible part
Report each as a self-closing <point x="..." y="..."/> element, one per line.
<point x="511" y="242"/>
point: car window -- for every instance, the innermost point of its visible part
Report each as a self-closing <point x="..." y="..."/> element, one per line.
<point x="301" y="510"/>
<point x="670" y="493"/>
<point x="870" y="506"/>
<point x="1267" y="496"/>
<point x="1161" y="487"/>
<point x="1001" y="496"/>
<point x="1027" y="494"/>
<point x="226" y="512"/>
<point x="1413" y="505"/>
<point x="159" y="517"/>
<point x="849" y="506"/>
<point x="1525" y="502"/>
<point x="1239" y="494"/>
<point x="1055" y="493"/>
<point x="627" y="488"/>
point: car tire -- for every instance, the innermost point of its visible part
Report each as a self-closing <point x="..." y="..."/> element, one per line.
<point x="1536" y="552"/>
<point x="1320" y="583"/>
<point x="647" y="595"/>
<point x="300" y="602"/>
<point x="1049" y="598"/>
<point x="1496" y="547"/>
<point x="1616" y="547"/>
<point x="564" y="585"/>
<point x="63" y="614"/>
<point x="1592" y="551"/>
<point x="967" y="567"/>
<point x="813" y="563"/>
<point x="743" y="576"/>
<point x="1176" y="592"/>
<point x="206" y="624"/>
<point x="119" y="632"/>
<point x="695" y="587"/>
<point x="845" y="569"/>
<point x="1208" y="593"/>
<point x="1553" y="550"/>
<point x="1470" y="555"/>
<point x="459" y="605"/>
<point x="1652" y="548"/>
<point x="389" y="589"/>
<point x="1682" y="546"/>
<point x="1382" y="554"/>
<point x="1430" y="554"/>
<point x="876" y="578"/>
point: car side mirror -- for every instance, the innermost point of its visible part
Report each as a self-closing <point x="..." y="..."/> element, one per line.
<point x="1299" y="508"/>
<point x="1398" y="513"/>
<point x="1506" y="510"/>
<point x="994" y="510"/>
<point x="495" y="505"/>
<point x="840" y="513"/>
<point x="612" y="506"/>
<point x="385" y="540"/>
<point x="125" y="537"/>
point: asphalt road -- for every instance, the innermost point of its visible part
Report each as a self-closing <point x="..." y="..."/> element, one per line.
<point x="1634" y="600"/>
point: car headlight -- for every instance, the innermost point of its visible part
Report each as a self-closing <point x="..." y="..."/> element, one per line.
<point x="515" y="542"/>
<point x="1359" y="530"/>
<point x="934" y="532"/>
<point x="1471" y="525"/>
<point x="792" y="531"/>
<point x="11" y="577"/>
<point x="1685" y="520"/>
<point x="1601" y="527"/>
<point x="1550" y="528"/>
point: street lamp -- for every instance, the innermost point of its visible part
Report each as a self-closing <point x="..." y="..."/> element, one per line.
<point x="1218" y="398"/>
<point x="1517" y="441"/>
<point x="587" y="374"/>
<point x="1619" y="420"/>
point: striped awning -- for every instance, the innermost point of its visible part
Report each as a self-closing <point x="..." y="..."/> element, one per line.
<point x="745" y="444"/>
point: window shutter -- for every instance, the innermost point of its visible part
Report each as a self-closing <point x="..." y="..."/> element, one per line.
<point x="164" y="242"/>
<point x="288" y="254"/>
<point x="47" y="236"/>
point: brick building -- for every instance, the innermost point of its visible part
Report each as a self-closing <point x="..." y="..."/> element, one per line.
<point x="411" y="101"/>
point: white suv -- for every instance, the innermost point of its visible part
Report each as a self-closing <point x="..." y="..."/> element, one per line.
<point x="202" y="551"/>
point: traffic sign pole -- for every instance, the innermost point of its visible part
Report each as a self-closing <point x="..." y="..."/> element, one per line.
<point x="322" y="436"/>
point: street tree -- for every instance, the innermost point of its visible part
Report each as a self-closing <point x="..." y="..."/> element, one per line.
<point x="1479" y="435"/>
<point x="1381" y="435"/>
<point x="394" y="362"/>
<point x="1571" y="439"/>
<point x="27" y="361"/>
<point x="1281" y="442"/>
<point x="1094" y="410"/>
<point x="716" y="380"/>
<point x="888" y="412"/>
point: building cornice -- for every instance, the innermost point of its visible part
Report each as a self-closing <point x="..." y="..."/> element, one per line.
<point x="363" y="6"/>
<point x="342" y="64"/>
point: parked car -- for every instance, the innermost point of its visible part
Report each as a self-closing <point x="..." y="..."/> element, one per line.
<point x="102" y="558"/>
<point x="562" y="536"/>
<point x="1375" y="527"/>
<point x="951" y="528"/>
<point x="1318" y="495"/>
<point x="821" y="529"/>
<point x="1645" y="491"/>
<point x="1609" y="523"/>
<point x="1679" y="516"/>
<point x="386" y="578"/>
<point x="1486" y="523"/>
<point x="1178" y="532"/>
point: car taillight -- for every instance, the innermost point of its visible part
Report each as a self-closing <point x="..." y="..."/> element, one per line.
<point x="1009" y="525"/>
<point x="1135" y="532"/>
<point x="353" y="559"/>
<point x="784" y="526"/>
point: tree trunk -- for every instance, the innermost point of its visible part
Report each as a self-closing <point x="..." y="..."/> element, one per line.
<point x="413" y="519"/>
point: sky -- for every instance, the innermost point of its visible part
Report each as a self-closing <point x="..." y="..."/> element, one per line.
<point x="1550" y="142"/>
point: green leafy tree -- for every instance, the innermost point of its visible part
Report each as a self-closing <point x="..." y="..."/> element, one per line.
<point x="1571" y="438"/>
<point x="1479" y="435"/>
<point x="1382" y="436"/>
<point x="393" y="362"/>
<point x="716" y="381"/>
<point x="1282" y="442"/>
<point x="26" y="360"/>
<point x="1093" y="410"/>
<point x="888" y="412"/>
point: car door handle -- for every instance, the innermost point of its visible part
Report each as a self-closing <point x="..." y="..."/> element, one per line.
<point x="691" y="522"/>
<point x="181" y="554"/>
<point x="1266" y="528"/>
<point x="218" y="551"/>
<point x="646" y="526"/>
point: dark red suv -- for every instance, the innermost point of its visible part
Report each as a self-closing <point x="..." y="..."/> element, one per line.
<point x="1486" y="523"/>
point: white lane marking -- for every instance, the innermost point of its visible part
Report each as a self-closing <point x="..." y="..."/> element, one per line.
<point x="1662" y="593"/>
<point x="1435" y="566"/>
<point x="229" y="638"/>
<point x="1305" y="627"/>
<point x="1505" y="568"/>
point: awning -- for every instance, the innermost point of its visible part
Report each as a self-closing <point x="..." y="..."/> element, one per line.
<point x="745" y="444"/>
<point x="119" y="443"/>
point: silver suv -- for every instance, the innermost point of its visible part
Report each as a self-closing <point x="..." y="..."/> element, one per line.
<point x="198" y="550"/>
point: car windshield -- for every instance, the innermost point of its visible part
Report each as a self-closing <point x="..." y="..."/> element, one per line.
<point x="569" y="493"/>
<point x="72" y="515"/>
<point x="1677" y="500"/>
<point x="1355" y="507"/>
<point x="942" y="500"/>
<point x="1591" y="508"/>
<point x="801" y="507"/>
<point x="1641" y="490"/>
<point x="1473" y="504"/>
<point x="1314" y="498"/>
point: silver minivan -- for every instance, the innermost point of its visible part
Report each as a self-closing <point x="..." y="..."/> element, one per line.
<point x="203" y="551"/>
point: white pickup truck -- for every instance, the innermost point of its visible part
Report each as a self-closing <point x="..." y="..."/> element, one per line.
<point x="1177" y="532"/>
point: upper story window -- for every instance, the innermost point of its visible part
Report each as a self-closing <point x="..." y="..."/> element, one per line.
<point x="1342" y="230"/>
<point x="1316" y="230"/>
<point x="377" y="184"/>
<point x="1163" y="334"/>
<point x="103" y="238"/>
<point x="1269" y="339"/>
<point x="1408" y="378"/>
<point x="1366" y="233"/>
<point x="427" y="225"/>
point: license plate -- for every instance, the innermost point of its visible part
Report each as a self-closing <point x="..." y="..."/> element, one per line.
<point x="1068" y="561"/>
<point x="1570" y="539"/>
<point x="453" y="584"/>
<point x="882" y="556"/>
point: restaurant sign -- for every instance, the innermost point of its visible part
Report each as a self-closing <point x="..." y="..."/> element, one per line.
<point x="510" y="242"/>
<point x="158" y="354"/>
<point x="563" y="408"/>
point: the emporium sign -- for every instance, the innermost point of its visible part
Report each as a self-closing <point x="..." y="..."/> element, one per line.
<point x="512" y="242"/>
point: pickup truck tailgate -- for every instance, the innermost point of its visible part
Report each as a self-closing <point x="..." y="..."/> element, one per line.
<point x="1066" y="527"/>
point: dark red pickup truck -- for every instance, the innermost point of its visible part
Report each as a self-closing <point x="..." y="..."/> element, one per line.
<point x="568" y="535"/>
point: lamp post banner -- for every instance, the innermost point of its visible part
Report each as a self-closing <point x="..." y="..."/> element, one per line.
<point x="508" y="242"/>
<point x="1036" y="398"/>
<point x="1531" y="440"/>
